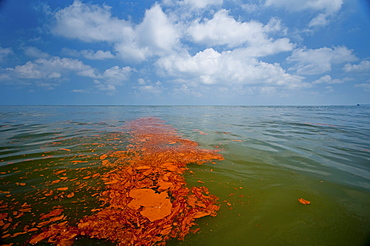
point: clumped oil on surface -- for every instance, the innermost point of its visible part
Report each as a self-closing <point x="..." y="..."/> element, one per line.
<point x="56" y="162"/>
<point x="145" y="201"/>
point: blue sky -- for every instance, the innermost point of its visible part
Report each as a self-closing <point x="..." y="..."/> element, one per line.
<point x="206" y="52"/>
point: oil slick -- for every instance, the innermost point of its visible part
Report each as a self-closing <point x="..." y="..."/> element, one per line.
<point x="303" y="201"/>
<point x="146" y="200"/>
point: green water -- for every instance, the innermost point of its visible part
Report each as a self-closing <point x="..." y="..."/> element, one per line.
<point x="282" y="154"/>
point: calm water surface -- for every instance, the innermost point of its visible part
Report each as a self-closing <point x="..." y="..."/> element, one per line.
<point x="273" y="156"/>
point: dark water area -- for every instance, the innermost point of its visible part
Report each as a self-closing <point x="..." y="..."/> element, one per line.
<point x="273" y="156"/>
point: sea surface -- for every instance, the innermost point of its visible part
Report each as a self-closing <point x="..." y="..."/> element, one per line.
<point x="273" y="156"/>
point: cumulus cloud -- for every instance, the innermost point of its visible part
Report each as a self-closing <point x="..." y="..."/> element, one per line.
<point x="326" y="7"/>
<point x="365" y="86"/>
<point x="316" y="61"/>
<point x="89" y="54"/>
<point x="250" y="8"/>
<point x="187" y="90"/>
<point x="155" y="35"/>
<point x="97" y="55"/>
<point x="80" y="90"/>
<point x="3" y="75"/>
<point x="195" y="4"/>
<point x="203" y="3"/>
<point x="147" y="87"/>
<point x="89" y="23"/>
<point x="35" y="52"/>
<point x="117" y="74"/>
<point x="52" y="68"/>
<point x="219" y="53"/>
<point x="152" y="89"/>
<point x="112" y="78"/>
<point x="223" y="29"/>
<point x="298" y="5"/>
<point x="57" y="68"/>
<point x="48" y="73"/>
<point x="226" y="68"/>
<point x="4" y="52"/>
<point x="109" y="88"/>
<point x="363" y="66"/>
<point x="327" y="79"/>
<point x="159" y="35"/>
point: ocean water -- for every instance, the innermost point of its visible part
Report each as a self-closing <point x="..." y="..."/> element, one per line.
<point x="273" y="156"/>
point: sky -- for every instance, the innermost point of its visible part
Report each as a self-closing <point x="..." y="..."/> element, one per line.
<point x="188" y="52"/>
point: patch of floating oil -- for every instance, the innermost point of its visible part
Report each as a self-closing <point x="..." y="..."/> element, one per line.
<point x="146" y="200"/>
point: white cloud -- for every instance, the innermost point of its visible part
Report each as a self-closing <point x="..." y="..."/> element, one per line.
<point x="327" y="79"/>
<point x="158" y="35"/>
<point x="320" y="20"/>
<point x="329" y="89"/>
<point x="35" y="52"/>
<point x="80" y="90"/>
<point x="274" y="25"/>
<point x="4" y="75"/>
<point x="186" y="90"/>
<point x="363" y="66"/>
<point x="109" y="88"/>
<point x="155" y="35"/>
<point x="316" y="61"/>
<point x="131" y="51"/>
<point x="117" y="74"/>
<point x="141" y="81"/>
<point x="52" y="68"/>
<point x="152" y="89"/>
<point x="203" y="3"/>
<point x="98" y="55"/>
<point x="28" y="70"/>
<point x="111" y="78"/>
<point x="250" y="8"/>
<point x="365" y="86"/>
<point x="4" y="52"/>
<point x="89" y="54"/>
<point x="147" y="87"/>
<point x="326" y="7"/>
<point x="195" y="4"/>
<point x="268" y="48"/>
<point x="226" y="68"/>
<point x="90" y="23"/>
<point x="298" y="5"/>
<point x="223" y="29"/>
<point x="50" y="71"/>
